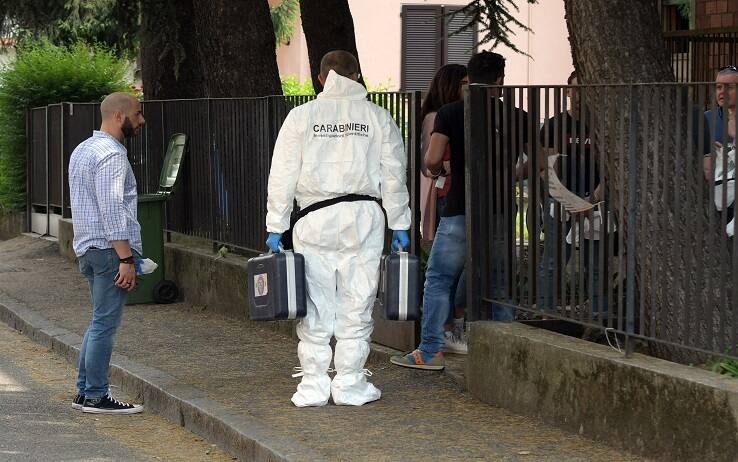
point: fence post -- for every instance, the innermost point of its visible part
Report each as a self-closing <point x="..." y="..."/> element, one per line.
<point x="533" y="185"/>
<point x="48" y="172"/>
<point x="211" y="172"/>
<point x="63" y="144"/>
<point x="476" y="128"/>
<point x="631" y="246"/>
<point x="29" y="167"/>
<point x="415" y="167"/>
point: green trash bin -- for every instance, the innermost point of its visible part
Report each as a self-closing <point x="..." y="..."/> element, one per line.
<point x="153" y="288"/>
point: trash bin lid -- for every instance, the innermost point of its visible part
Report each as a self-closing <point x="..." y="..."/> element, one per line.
<point x="172" y="162"/>
<point x="156" y="197"/>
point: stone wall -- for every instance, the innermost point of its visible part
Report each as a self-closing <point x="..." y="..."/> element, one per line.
<point x="11" y="224"/>
<point x="662" y="410"/>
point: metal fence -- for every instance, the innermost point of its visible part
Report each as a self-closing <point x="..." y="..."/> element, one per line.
<point x="651" y="260"/>
<point x="52" y="133"/>
<point x="697" y="55"/>
<point x="221" y="195"/>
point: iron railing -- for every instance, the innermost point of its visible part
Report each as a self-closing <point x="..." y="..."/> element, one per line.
<point x="221" y="195"/>
<point x="662" y="267"/>
<point x="650" y="261"/>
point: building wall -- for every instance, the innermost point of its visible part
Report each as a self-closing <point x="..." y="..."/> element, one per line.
<point x="711" y="14"/>
<point x="547" y="44"/>
<point x="378" y="39"/>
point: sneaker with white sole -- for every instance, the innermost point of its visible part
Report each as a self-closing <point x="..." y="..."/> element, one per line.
<point x="109" y="405"/>
<point x="455" y="343"/>
<point x="78" y="401"/>
<point x="419" y="359"/>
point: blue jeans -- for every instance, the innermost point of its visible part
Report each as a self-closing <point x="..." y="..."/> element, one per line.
<point x="546" y="269"/>
<point x="457" y="296"/>
<point x="445" y="265"/>
<point x="99" y="266"/>
<point x="458" y="291"/>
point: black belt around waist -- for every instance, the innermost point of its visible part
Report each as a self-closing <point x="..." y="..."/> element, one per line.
<point x="336" y="200"/>
<point x="287" y="236"/>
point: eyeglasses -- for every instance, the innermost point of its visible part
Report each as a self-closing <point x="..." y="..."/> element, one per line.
<point x="730" y="67"/>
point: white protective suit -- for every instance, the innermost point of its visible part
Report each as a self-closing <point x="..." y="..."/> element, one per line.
<point x="338" y="144"/>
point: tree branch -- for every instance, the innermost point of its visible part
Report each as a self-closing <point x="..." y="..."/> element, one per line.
<point x="494" y="18"/>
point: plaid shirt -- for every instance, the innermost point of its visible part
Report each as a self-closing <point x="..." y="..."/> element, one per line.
<point x="103" y="195"/>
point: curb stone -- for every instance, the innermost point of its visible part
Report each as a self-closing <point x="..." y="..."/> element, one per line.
<point x="241" y="436"/>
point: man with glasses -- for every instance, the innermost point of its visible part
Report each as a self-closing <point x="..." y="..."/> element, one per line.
<point x="725" y="96"/>
<point x="719" y="141"/>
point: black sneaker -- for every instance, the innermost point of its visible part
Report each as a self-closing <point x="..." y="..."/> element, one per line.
<point x="79" y="400"/>
<point x="109" y="405"/>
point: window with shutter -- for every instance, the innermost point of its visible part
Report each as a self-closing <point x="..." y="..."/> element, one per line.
<point x="426" y="45"/>
<point x="421" y="47"/>
<point x="458" y="47"/>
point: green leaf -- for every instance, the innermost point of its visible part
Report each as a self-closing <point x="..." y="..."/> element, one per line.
<point x="730" y="367"/>
<point x="284" y="17"/>
<point x="291" y="86"/>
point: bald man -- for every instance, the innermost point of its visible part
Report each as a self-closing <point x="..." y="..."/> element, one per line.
<point x="107" y="240"/>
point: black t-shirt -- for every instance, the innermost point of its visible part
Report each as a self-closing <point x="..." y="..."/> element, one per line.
<point x="513" y="130"/>
<point x="576" y="144"/>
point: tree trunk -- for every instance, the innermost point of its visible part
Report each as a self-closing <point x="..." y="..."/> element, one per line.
<point x="170" y="62"/>
<point x="236" y="39"/>
<point x="328" y="26"/>
<point x="671" y="193"/>
<point x="607" y="48"/>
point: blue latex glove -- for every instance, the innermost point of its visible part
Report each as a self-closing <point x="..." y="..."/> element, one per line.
<point x="273" y="241"/>
<point x="400" y="239"/>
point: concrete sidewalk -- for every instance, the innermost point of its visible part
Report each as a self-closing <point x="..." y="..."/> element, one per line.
<point x="230" y="380"/>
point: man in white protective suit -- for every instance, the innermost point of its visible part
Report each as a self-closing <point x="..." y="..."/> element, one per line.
<point x="342" y="147"/>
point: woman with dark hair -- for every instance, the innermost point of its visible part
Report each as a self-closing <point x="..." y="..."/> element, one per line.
<point x="444" y="88"/>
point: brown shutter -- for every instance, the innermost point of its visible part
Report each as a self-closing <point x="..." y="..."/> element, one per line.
<point x="421" y="47"/>
<point x="460" y="47"/>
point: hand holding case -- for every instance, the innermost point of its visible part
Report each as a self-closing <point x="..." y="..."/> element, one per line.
<point x="400" y="273"/>
<point x="276" y="285"/>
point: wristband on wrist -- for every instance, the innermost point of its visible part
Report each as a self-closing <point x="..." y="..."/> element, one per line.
<point x="128" y="260"/>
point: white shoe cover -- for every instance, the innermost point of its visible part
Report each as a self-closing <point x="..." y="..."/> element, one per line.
<point x="349" y="386"/>
<point x="315" y="387"/>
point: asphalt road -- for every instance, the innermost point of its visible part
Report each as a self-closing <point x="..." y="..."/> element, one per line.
<point x="37" y="422"/>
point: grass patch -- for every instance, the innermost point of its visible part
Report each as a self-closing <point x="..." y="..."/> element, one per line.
<point x="725" y="366"/>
